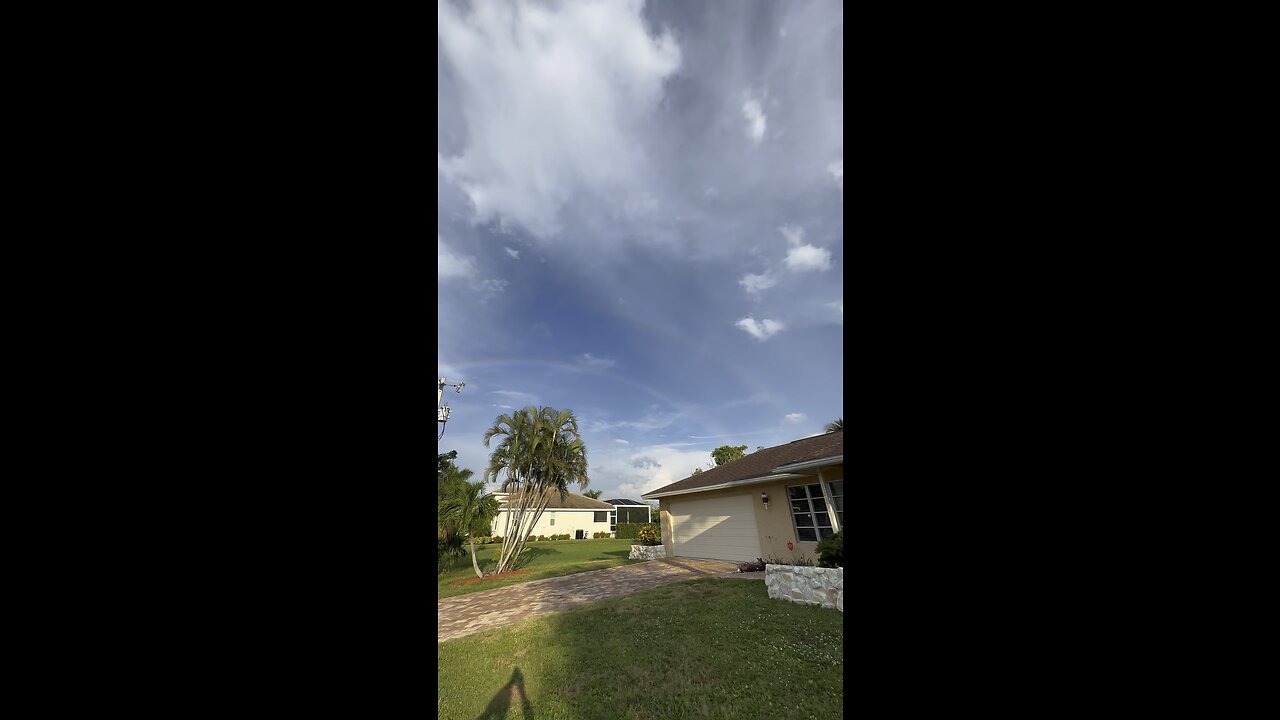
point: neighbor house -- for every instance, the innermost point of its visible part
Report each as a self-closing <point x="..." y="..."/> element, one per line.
<point x="629" y="511"/>
<point x="754" y="506"/>
<point x="577" y="515"/>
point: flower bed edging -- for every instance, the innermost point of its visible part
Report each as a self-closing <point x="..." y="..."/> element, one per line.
<point x="647" y="552"/>
<point x="820" y="587"/>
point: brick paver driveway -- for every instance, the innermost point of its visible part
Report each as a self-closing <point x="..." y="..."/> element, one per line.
<point x="466" y="614"/>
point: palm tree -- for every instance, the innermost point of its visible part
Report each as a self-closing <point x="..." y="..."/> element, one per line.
<point x="834" y="426"/>
<point x="593" y="494"/>
<point x="450" y="483"/>
<point x="541" y="453"/>
<point x="471" y="511"/>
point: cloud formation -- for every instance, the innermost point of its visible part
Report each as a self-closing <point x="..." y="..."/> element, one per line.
<point x="807" y="258"/>
<point x="761" y="330"/>
<point x="756" y="119"/>
<point x="645" y="463"/>
<point x="512" y="252"/>
<point x="553" y="98"/>
<point x="757" y="283"/>
<point x="590" y="361"/>
<point x="451" y="265"/>
<point x="794" y="418"/>
<point x="803" y="257"/>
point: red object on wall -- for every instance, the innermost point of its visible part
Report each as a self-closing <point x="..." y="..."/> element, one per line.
<point x="789" y="546"/>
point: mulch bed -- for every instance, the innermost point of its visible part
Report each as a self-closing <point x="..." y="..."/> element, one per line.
<point x="474" y="580"/>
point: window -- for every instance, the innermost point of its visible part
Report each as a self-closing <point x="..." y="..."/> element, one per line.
<point x="613" y="521"/>
<point x="601" y="516"/>
<point x="810" y="513"/>
<point x="553" y="519"/>
<point x="837" y="498"/>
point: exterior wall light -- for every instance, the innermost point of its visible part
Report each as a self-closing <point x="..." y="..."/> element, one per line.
<point x="764" y="497"/>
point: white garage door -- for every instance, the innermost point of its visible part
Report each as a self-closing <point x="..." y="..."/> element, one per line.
<point x="722" y="528"/>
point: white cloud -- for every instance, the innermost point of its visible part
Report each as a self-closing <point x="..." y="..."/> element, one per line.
<point x="590" y="361"/>
<point x="756" y="283"/>
<point x="794" y="235"/>
<point x="649" y="468"/>
<point x="808" y="257"/>
<point x="450" y="265"/>
<point x="513" y="253"/>
<point x="756" y="119"/>
<point x="838" y="306"/>
<point x="554" y="98"/>
<point x="523" y="398"/>
<point x="836" y="168"/>
<point x="795" y="418"/>
<point x="761" y="330"/>
<point x="489" y="288"/>
<point x="620" y="441"/>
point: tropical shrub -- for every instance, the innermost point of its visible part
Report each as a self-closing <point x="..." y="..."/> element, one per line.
<point x="449" y="550"/>
<point x="630" y="530"/>
<point x="648" y="535"/>
<point x="831" y="551"/>
<point x="496" y="538"/>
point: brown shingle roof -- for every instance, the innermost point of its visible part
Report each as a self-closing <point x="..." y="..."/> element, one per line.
<point x="568" y="501"/>
<point x="762" y="462"/>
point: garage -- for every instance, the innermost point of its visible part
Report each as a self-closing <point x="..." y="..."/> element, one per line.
<point x="722" y="528"/>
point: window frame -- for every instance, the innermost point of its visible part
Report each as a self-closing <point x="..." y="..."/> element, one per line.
<point x="813" y="513"/>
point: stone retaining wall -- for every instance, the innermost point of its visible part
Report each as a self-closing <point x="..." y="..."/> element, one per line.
<point x="823" y="587"/>
<point x="648" y="552"/>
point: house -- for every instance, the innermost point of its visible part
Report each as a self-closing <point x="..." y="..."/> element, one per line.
<point x="754" y="506"/>
<point x="577" y="515"/>
<point x="629" y="511"/>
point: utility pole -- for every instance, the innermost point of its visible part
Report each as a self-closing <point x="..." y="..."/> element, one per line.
<point x="442" y="409"/>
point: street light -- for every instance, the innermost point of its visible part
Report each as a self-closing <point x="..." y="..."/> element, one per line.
<point x="442" y="410"/>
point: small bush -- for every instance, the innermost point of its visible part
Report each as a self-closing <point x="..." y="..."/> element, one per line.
<point x="648" y="535"/>
<point x="631" y="530"/>
<point x="600" y="535"/>
<point x="496" y="538"/>
<point x="831" y="551"/>
<point x="482" y="540"/>
<point x="542" y="538"/>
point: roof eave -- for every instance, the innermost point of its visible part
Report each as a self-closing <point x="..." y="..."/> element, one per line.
<point x="729" y="485"/>
<point x="821" y="462"/>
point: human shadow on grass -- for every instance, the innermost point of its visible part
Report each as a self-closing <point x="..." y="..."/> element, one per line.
<point x="501" y="702"/>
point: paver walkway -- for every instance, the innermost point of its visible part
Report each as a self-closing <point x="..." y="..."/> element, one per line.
<point x="466" y="614"/>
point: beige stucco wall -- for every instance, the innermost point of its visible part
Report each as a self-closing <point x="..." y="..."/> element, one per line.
<point x="567" y="521"/>
<point x="774" y="525"/>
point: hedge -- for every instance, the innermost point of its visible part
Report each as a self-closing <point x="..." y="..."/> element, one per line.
<point x="630" y="530"/>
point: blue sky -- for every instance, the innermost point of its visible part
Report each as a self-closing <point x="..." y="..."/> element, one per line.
<point x="640" y="217"/>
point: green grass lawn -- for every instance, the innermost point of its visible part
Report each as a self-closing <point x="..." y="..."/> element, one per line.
<point x="707" y="648"/>
<point x="546" y="559"/>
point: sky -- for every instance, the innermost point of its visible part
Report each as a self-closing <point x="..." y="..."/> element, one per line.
<point x="640" y="217"/>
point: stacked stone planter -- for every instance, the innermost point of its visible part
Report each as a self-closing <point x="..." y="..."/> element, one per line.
<point x="648" y="552"/>
<point x="821" y="587"/>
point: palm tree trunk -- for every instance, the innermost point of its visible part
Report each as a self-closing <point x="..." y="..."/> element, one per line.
<point x="475" y="564"/>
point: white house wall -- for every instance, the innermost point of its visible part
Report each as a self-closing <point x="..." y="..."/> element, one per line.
<point x="566" y="521"/>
